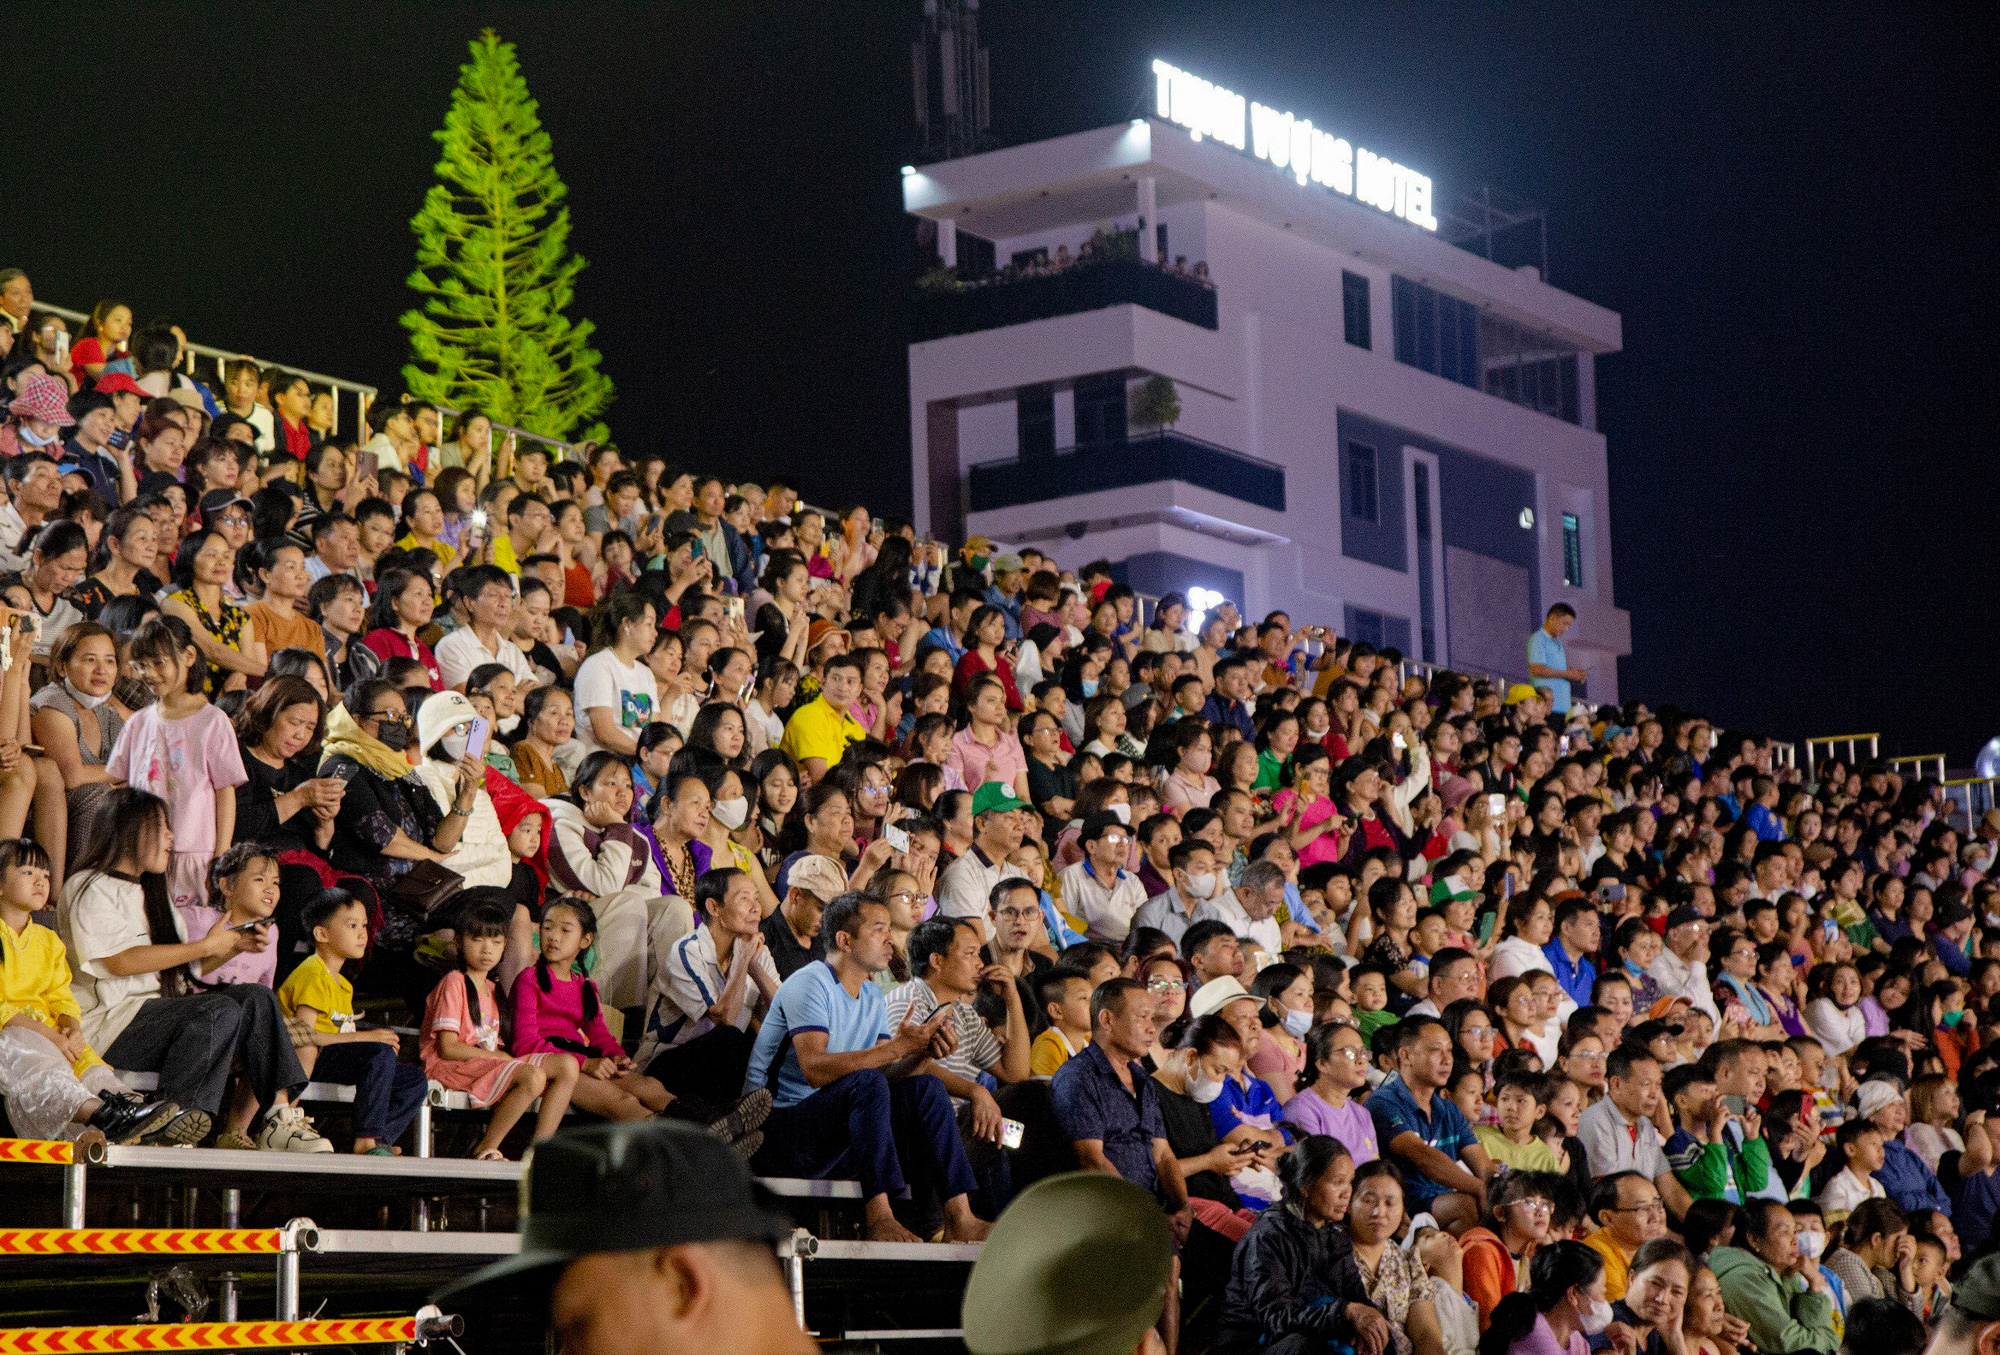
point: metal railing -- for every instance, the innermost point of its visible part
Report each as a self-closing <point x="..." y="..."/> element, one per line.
<point x="1921" y="761"/>
<point x="1853" y="744"/>
<point x="1974" y="795"/>
<point x="362" y="394"/>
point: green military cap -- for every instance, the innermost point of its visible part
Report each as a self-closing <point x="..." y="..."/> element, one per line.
<point x="1077" y="1265"/>
<point x="1978" y="1294"/>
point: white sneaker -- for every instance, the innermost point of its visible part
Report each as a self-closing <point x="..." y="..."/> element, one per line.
<point x="288" y="1130"/>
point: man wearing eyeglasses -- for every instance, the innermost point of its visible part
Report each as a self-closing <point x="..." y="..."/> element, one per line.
<point x="1629" y="1214"/>
<point x="1098" y="888"/>
<point x="1013" y="923"/>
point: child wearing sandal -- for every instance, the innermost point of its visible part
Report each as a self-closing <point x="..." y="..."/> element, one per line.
<point x="319" y="1005"/>
<point x="557" y="1010"/>
<point x="461" y="1040"/>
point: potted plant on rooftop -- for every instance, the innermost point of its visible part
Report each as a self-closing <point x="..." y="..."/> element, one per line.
<point x="1156" y="404"/>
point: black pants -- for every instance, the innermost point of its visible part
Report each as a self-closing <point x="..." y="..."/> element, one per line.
<point x="193" y="1042"/>
<point x="709" y="1067"/>
<point x="387" y="1092"/>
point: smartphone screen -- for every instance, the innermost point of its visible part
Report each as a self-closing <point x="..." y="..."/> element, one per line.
<point x="475" y="738"/>
<point x="1496" y="805"/>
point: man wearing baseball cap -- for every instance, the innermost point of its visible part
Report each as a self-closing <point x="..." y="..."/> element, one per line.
<point x="645" y="1236"/>
<point x="1969" y="1326"/>
<point x="997" y="830"/>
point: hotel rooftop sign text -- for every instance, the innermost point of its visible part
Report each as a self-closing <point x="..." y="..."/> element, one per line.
<point x="1293" y="144"/>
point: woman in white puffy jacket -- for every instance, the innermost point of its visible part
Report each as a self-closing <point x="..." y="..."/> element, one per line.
<point x="481" y="856"/>
<point x="598" y="854"/>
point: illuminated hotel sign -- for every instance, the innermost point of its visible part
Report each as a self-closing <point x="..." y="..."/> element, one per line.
<point x="1293" y="144"/>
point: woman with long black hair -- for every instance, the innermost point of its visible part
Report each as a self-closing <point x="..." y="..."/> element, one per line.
<point x="136" y="1006"/>
<point x="1294" y="1287"/>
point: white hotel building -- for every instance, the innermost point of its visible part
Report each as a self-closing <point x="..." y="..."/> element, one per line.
<point x="1378" y="428"/>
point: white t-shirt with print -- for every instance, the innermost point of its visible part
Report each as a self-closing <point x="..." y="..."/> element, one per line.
<point x="628" y="691"/>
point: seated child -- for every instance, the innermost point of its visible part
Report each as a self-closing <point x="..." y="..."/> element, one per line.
<point x="54" y="1083"/>
<point x="318" y="1002"/>
<point x="243" y="888"/>
<point x="1930" y="1294"/>
<point x="1520" y="1101"/>
<point x="557" y="1010"/>
<point x="1065" y="994"/>
<point x="461" y="1039"/>
<point x="1371" y="999"/>
<point x="490" y="689"/>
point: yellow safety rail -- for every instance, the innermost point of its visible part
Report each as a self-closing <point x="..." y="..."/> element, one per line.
<point x="1922" y="760"/>
<point x="1853" y="742"/>
<point x="39" y="1152"/>
<point x="367" y="1331"/>
<point x="141" y="1241"/>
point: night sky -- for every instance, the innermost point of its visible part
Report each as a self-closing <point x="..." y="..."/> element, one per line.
<point x="1791" y="206"/>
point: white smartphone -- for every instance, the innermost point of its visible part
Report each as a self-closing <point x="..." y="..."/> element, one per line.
<point x="1011" y="1132"/>
<point x="897" y="839"/>
<point x="475" y="738"/>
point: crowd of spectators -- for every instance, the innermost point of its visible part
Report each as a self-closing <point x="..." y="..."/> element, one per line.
<point x="1437" y="1012"/>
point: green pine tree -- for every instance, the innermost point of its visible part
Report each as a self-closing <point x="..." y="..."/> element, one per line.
<point x="493" y="264"/>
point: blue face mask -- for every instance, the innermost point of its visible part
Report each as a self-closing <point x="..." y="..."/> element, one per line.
<point x="1089" y="688"/>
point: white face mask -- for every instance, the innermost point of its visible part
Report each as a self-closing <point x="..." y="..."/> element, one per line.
<point x="84" y="699"/>
<point x="1595" y="1318"/>
<point x="1200" y="886"/>
<point x="454" y="743"/>
<point x="1202" y="1090"/>
<point x="1811" y="1245"/>
<point x="1123" y="813"/>
<point x="730" y="813"/>
<point x="1298" y="1022"/>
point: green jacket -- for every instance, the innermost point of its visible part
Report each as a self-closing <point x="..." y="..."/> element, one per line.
<point x="1783" y="1317"/>
<point x="1709" y="1169"/>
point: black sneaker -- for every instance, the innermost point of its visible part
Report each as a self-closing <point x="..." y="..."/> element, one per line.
<point x="184" y="1130"/>
<point x="123" y="1122"/>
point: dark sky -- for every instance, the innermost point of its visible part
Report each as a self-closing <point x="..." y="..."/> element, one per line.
<point x="1792" y="207"/>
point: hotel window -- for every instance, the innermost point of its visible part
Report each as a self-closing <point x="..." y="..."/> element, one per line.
<point x="1572" y="551"/>
<point x="1435" y="332"/>
<point x="1100" y="409"/>
<point x="1363" y="498"/>
<point x="1035" y="421"/>
<point x="1354" y="308"/>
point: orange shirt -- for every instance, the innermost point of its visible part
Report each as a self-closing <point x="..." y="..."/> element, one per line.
<point x="285" y="632"/>
<point x="1489" y="1271"/>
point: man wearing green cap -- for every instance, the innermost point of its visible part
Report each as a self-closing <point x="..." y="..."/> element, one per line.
<point x="643" y="1237"/>
<point x="997" y="830"/>
<point x="1078" y="1264"/>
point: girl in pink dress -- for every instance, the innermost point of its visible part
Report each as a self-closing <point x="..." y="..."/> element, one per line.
<point x="461" y="1040"/>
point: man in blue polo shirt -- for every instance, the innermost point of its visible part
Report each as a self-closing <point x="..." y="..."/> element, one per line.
<point x="1444" y="1167"/>
<point x="847" y="1090"/>
<point x="1548" y="662"/>
<point x="1579" y="932"/>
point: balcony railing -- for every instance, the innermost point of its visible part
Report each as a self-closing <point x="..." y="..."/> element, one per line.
<point x="1080" y="287"/>
<point x="1148" y="458"/>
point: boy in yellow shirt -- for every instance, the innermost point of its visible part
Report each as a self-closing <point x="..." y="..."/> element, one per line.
<point x="54" y="1083"/>
<point x="1520" y="1099"/>
<point x="318" y="1001"/>
<point x="1065" y="992"/>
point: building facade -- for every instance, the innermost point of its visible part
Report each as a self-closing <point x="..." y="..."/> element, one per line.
<point x="1376" y="427"/>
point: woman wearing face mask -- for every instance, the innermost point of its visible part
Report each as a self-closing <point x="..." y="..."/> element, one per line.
<point x="457" y="781"/>
<point x="1188" y="785"/>
<point x="1760" y="1279"/>
<point x="1324" y="1103"/>
<point x="1293" y="1283"/>
<point x="1560" y="1310"/>
<point x="1287" y="992"/>
<point x="1188" y="1080"/>
<point x="729" y="816"/>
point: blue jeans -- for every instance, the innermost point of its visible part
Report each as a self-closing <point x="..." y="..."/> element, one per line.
<point x="863" y="1125"/>
<point x="387" y="1092"/>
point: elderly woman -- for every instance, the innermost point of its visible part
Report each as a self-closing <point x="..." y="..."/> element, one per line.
<point x="597" y="853"/>
<point x="75" y="720"/>
<point x="1394" y="1279"/>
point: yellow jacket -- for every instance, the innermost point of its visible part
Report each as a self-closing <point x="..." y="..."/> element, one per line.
<point x="34" y="981"/>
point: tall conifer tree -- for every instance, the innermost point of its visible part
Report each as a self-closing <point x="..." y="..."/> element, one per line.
<point x="494" y="267"/>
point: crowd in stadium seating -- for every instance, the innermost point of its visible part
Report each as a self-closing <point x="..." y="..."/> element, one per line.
<point x="1429" y="1006"/>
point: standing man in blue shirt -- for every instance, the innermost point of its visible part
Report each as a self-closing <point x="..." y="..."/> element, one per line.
<point x="851" y="1096"/>
<point x="1548" y="664"/>
<point x="1579" y="932"/>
